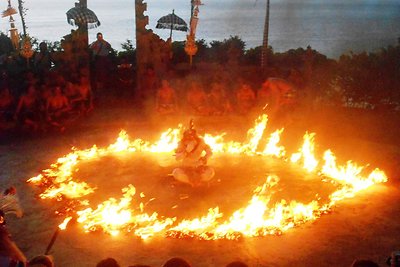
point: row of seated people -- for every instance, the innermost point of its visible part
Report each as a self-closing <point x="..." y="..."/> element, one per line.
<point x="172" y="262"/>
<point x="179" y="262"/>
<point x="44" y="107"/>
<point x="219" y="101"/>
<point x="47" y="261"/>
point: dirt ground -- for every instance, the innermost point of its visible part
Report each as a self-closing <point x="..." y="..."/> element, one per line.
<point x="366" y="226"/>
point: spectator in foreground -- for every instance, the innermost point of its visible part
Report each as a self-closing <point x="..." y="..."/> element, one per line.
<point x="41" y="261"/>
<point x="109" y="262"/>
<point x="364" y="263"/>
<point x="176" y="262"/>
<point x="237" y="264"/>
<point x="9" y="252"/>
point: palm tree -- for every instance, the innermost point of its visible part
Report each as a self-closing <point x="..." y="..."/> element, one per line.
<point x="22" y="13"/>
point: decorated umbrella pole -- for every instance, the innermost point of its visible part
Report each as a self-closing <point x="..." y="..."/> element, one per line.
<point x="82" y="16"/>
<point x="190" y="46"/>
<point x="26" y="50"/>
<point x="84" y="19"/>
<point x="172" y="22"/>
<point x="9" y="12"/>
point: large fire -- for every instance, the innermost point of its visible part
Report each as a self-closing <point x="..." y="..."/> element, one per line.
<point x="260" y="217"/>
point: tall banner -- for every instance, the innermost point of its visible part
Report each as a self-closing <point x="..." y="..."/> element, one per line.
<point x="190" y="46"/>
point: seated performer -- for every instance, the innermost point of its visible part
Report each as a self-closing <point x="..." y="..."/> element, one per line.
<point x="166" y="100"/>
<point x="6" y="108"/>
<point x="278" y="96"/>
<point x="83" y="99"/>
<point x="193" y="152"/>
<point x="57" y="109"/>
<point x="245" y="98"/>
<point x="28" y="109"/>
<point x="196" y="100"/>
<point x="218" y="100"/>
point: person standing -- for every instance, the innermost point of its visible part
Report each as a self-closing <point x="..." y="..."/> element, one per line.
<point x="43" y="61"/>
<point x="101" y="50"/>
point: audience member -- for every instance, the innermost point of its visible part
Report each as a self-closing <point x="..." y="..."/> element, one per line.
<point x="218" y="100"/>
<point x="7" y="105"/>
<point x="277" y="96"/>
<point x="149" y="83"/>
<point x="101" y="50"/>
<point x="57" y="109"/>
<point x="245" y="99"/>
<point x="41" y="261"/>
<point x="9" y="251"/>
<point x="176" y="262"/>
<point x="42" y="60"/>
<point x="196" y="100"/>
<point x="28" y="109"/>
<point x="364" y="263"/>
<point x="166" y="99"/>
<point x="276" y="92"/>
<point x="83" y="99"/>
<point x="237" y="264"/>
<point x="109" y="262"/>
<point x="71" y="91"/>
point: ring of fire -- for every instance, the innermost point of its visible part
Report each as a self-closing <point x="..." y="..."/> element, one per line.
<point x="258" y="218"/>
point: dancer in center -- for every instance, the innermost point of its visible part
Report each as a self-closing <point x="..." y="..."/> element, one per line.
<point x="193" y="153"/>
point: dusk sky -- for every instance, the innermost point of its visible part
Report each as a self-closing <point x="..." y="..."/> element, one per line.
<point x="332" y="27"/>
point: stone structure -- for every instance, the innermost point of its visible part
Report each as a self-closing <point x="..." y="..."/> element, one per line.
<point x="151" y="51"/>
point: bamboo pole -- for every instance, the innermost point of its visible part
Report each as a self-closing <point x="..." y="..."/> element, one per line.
<point x="264" y="50"/>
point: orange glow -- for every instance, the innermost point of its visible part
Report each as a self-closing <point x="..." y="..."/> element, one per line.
<point x="259" y="217"/>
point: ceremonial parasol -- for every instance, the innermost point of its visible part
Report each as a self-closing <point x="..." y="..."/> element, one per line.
<point x="13" y="31"/>
<point x="81" y="16"/>
<point x="9" y="12"/>
<point x="172" y="22"/>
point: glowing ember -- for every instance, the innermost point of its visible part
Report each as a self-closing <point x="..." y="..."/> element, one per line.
<point x="258" y="218"/>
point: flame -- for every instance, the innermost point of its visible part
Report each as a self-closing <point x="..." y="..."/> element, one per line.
<point x="63" y="225"/>
<point x="215" y="142"/>
<point x="307" y="153"/>
<point x="272" y="148"/>
<point x="70" y="190"/>
<point x="259" y="217"/>
<point x="122" y="143"/>
<point x="255" y="134"/>
<point x="196" y="227"/>
<point x="113" y="216"/>
<point x="168" y="141"/>
<point x="349" y="177"/>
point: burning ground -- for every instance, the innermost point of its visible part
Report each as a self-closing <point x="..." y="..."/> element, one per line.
<point x="359" y="227"/>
